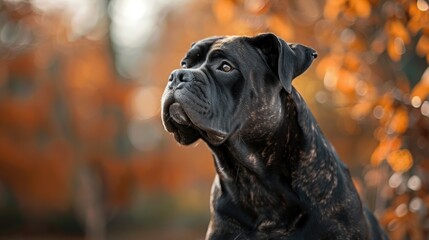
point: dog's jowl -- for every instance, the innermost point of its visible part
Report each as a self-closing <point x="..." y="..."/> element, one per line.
<point x="277" y="177"/>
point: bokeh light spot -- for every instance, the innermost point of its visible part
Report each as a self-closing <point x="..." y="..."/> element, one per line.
<point x="401" y="210"/>
<point x="422" y="5"/>
<point x="321" y="97"/>
<point x="330" y="80"/>
<point x="416" y="101"/>
<point x="416" y="204"/>
<point x="425" y="108"/>
<point x="378" y="112"/>
<point x="393" y="225"/>
<point x="414" y="183"/>
<point x="395" y="180"/>
<point x="400" y="160"/>
<point x="145" y="102"/>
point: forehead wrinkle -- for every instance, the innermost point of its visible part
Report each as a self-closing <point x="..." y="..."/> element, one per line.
<point x="221" y="43"/>
<point x="216" y="53"/>
<point x="219" y="48"/>
<point x="216" y="45"/>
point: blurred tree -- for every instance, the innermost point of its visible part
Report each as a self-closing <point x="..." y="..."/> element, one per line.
<point x="81" y="149"/>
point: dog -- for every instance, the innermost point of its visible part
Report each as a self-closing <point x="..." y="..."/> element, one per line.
<point x="277" y="175"/>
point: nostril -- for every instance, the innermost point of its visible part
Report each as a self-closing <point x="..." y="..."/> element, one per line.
<point x="178" y="76"/>
<point x="314" y="54"/>
<point x="183" y="75"/>
<point x="185" y="78"/>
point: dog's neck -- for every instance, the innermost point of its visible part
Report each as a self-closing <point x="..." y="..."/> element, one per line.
<point x="268" y="166"/>
<point x="265" y="158"/>
<point x="316" y="178"/>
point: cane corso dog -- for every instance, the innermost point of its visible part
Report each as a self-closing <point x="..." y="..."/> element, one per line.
<point x="277" y="175"/>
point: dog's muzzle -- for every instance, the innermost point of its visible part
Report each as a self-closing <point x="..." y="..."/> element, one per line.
<point x="172" y="109"/>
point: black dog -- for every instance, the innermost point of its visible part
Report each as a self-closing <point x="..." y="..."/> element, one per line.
<point x="277" y="175"/>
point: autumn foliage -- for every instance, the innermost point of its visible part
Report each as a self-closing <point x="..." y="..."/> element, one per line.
<point x="80" y="141"/>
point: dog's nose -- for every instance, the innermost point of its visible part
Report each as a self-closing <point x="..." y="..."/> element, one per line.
<point x="175" y="76"/>
<point x="180" y="75"/>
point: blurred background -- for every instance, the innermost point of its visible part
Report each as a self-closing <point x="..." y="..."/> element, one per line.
<point x="83" y="153"/>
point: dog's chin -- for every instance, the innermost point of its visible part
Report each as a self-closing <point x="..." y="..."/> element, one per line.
<point x="186" y="136"/>
<point x="186" y="131"/>
<point x="177" y="122"/>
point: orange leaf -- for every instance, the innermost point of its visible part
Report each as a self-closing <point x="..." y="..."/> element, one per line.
<point x="346" y="81"/>
<point x="361" y="110"/>
<point x="422" y="47"/>
<point x="414" y="25"/>
<point x="399" y="122"/>
<point x="352" y="61"/>
<point x="395" y="49"/>
<point x="417" y="19"/>
<point x="384" y="148"/>
<point x="386" y="102"/>
<point x="361" y="7"/>
<point x="400" y="160"/>
<point x="421" y="90"/>
<point x="397" y="29"/>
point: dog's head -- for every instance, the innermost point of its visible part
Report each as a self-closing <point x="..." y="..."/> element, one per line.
<point x="230" y="85"/>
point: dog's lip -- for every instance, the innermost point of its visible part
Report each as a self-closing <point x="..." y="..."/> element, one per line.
<point x="167" y="101"/>
<point x="174" y="115"/>
<point x="178" y="114"/>
<point x="216" y="137"/>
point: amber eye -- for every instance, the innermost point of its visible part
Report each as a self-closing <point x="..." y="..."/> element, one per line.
<point x="226" y="67"/>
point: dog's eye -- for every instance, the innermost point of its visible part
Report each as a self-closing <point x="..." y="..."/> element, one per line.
<point x="184" y="65"/>
<point x="225" y="67"/>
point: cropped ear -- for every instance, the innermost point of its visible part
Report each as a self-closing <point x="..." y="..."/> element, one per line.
<point x="286" y="60"/>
